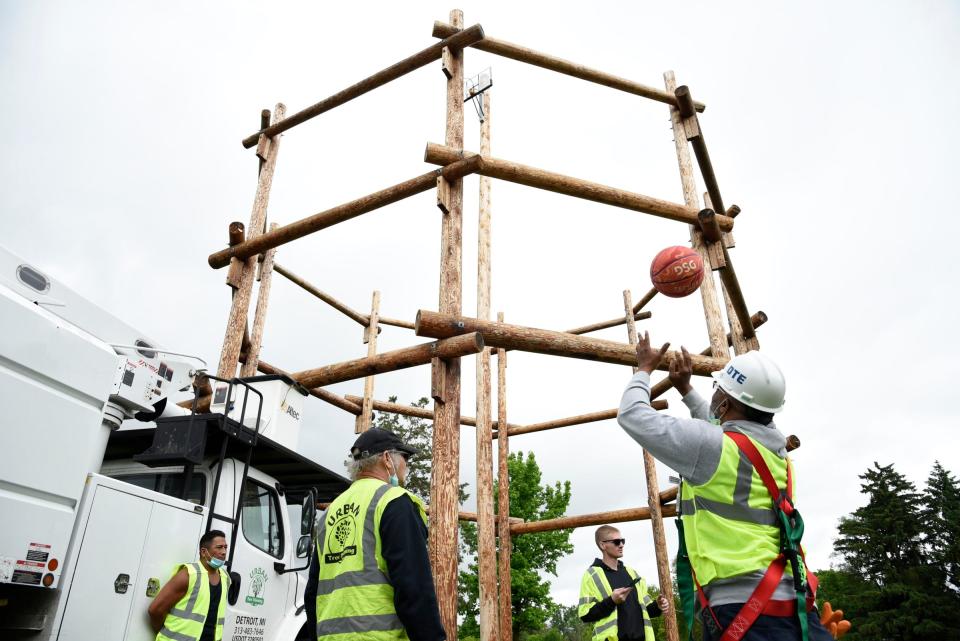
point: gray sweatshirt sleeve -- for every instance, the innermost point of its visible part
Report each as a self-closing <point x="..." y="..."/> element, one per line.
<point x="691" y="446"/>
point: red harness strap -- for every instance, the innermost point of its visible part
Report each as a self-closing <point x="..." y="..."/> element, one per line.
<point x="760" y="601"/>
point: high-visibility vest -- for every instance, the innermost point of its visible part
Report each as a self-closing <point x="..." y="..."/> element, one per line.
<point x="594" y="588"/>
<point x="354" y="595"/>
<point x="185" y="620"/>
<point x="730" y="527"/>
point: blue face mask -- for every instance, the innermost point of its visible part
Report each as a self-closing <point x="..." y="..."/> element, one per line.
<point x="216" y="563"/>
<point x="393" y="479"/>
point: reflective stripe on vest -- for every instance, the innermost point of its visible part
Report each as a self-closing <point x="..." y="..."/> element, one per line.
<point x="354" y="595"/>
<point x="594" y="587"/>
<point x="185" y="620"/>
<point x="730" y="527"/>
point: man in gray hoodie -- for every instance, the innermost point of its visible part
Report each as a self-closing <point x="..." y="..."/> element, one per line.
<point x="730" y="527"/>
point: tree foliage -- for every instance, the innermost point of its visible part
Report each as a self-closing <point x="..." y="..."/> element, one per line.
<point x="531" y="554"/>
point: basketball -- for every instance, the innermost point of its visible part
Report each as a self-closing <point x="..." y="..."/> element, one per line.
<point x="677" y="271"/>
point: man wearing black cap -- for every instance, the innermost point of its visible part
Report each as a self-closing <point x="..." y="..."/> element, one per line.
<point x="370" y="576"/>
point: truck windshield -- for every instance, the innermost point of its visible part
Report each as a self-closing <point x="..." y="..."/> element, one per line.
<point x="169" y="483"/>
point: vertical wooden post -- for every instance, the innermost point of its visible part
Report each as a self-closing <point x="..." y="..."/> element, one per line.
<point x="239" y="308"/>
<point x="708" y="289"/>
<point x="370" y="336"/>
<point x="249" y="367"/>
<point x="653" y="500"/>
<point x="486" y="537"/>
<point x="444" y="481"/>
<point x="503" y="497"/>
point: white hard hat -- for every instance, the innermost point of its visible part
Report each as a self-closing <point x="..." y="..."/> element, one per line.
<point x="754" y="380"/>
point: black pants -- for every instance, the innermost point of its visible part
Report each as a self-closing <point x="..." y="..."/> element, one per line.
<point x="765" y="628"/>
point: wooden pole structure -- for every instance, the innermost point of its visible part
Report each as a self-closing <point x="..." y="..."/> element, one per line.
<point x="461" y="39"/>
<point x="584" y="520"/>
<point x="586" y="329"/>
<point x="653" y="501"/>
<point x="593" y="417"/>
<point x="239" y="307"/>
<point x="370" y="336"/>
<point x="529" y="56"/>
<point x="408" y="410"/>
<point x="486" y="538"/>
<point x="249" y="367"/>
<point x="445" y="476"/>
<point x="543" y="341"/>
<point x="708" y="290"/>
<point x="317" y="392"/>
<point x="503" y="499"/>
<point x="561" y="184"/>
<point x="340" y="213"/>
<point x="322" y="295"/>
<point x="643" y="302"/>
<point x="391" y="361"/>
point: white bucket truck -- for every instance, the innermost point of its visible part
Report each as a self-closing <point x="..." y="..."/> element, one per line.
<point x="97" y="510"/>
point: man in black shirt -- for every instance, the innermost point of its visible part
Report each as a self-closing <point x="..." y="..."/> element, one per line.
<point x="614" y="597"/>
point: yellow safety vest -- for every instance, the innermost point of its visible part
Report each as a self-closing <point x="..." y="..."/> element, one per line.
<point x="185" y="620"/>
<point x="729" y="525"/>
<point x="354" y="595"/>
<point x="594" y="588"/>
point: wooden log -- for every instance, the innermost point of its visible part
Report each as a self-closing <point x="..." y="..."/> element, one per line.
<point x="363" y="421"/>
<point x="240" y="304"/>
<point x="643" y="302"/>
<point x="543" y="341"/>
<point x="503" y="499"/>
<point x="712" y="312"/>
<point x="653" y="502"/>
<point x="339" y="214"/>
<point x="396" y="323"/>
<point x="445" y="474"/>
<point x="264" y="123"/>
<point x="390" y="361"/>
<point x="325" y="297"/>
<point x="586" y="329"/>
<point x="585" y="520"/>
<point x="561" y="184"/>
<point x="661" y="387"/>
<point x="685" y="104"/>
<point x="529" y="56"/>
<point x="409" y="410"/>
<point x="463" y="38"/>
<point x="249" y="368"/>
<point x="317" y="392"/>
<point x="573" y="420"/>
<point x="486" y="525"/>
<point x="235" y="233"/>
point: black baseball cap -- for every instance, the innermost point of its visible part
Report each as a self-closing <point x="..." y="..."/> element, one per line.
<point x="377" y="440"/>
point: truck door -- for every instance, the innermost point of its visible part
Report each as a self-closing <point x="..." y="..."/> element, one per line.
<point x="261" y="541"/>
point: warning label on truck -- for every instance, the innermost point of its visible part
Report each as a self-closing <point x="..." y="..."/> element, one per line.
<point x="27" y="573"/>
<point x="39" y="552"/>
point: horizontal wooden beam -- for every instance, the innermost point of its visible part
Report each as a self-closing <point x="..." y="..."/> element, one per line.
<point x="317" y="392"/>
<point x="457" y="40"/>
<point x="529" y="56"/>
<point x="573" y="420"/>
<point x="614" y="322"/>
<point x="543" y="341"/>
<point x="339" y="214"/>
<point x="567" y="185"/>
<point x="584" y="520"/>
<point x="390" y="361"/>
<point x="343" y="308"/>
<point x="417" y="412"/>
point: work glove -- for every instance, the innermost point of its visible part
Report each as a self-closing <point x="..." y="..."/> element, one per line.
<point x="833" y="621"/>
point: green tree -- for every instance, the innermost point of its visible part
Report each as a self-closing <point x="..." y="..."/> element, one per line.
<point x="941" y="517"/>
<point x="531" y="555"/>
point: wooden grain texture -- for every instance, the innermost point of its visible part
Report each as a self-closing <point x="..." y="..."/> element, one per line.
<point x="580" y="419"/>
<point x="373" y="327"/>
<point x="529" y="56"/>
<point x="643" y="302"/>
<point x="390" y="361"/>
<point x="240" y="305"/>
<point x="339" y="214"/>
<point x="544" y="341"/>
<point x="653" y="500"/>
<point x="463" y="38"/>
<point x="584" y="520"/>
<point x="505" y="545"/>
<point x="486" y="525"/>
<point x="249" y="367"/>
<point x="445" y="476"/>
<point x="694" y="134"/>
<point x="613" y="322"/>
<point x="567" y="185"/>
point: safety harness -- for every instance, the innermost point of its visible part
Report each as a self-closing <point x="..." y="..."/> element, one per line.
<point x="791" y="531"/>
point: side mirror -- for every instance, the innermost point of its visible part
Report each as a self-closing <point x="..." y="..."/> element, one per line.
<point x="234" y="592"/>
<point x="308" y="514"/>
<point x="304" y="545"/>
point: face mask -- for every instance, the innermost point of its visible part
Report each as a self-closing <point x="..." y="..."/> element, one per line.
<point x="215" y="563"/>
<point x="715" y="415"/>
<point x="393" y="479"/>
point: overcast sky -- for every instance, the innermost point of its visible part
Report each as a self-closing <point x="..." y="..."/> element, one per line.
<point x="831" y="124"/>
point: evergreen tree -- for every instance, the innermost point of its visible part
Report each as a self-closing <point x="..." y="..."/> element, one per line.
<point x="531" y="554"/>
<point x="941" y="516"/>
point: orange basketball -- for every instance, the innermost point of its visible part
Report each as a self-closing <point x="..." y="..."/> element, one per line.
<point x="677" y="271"/>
